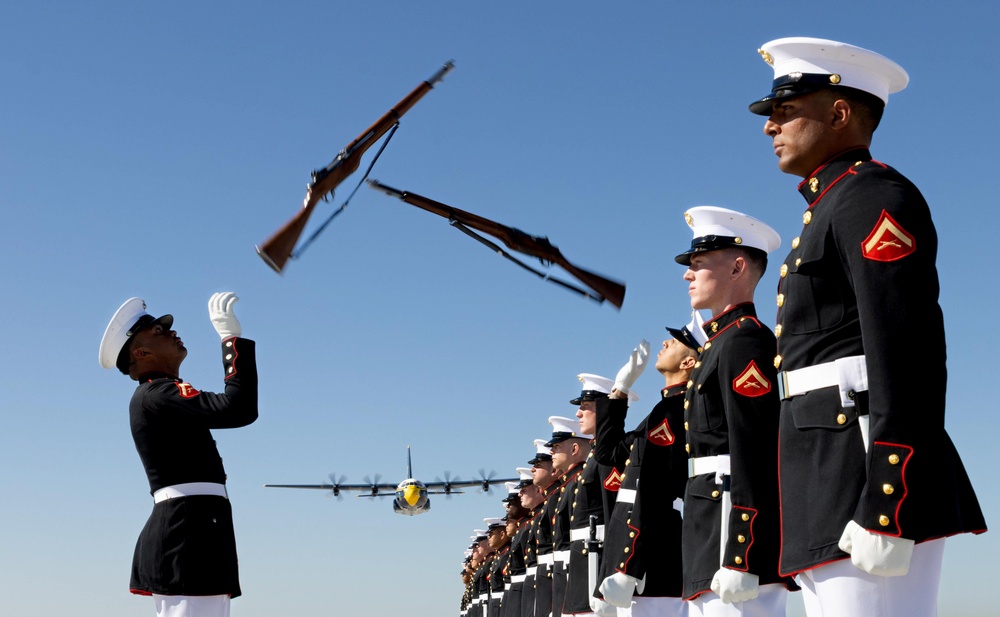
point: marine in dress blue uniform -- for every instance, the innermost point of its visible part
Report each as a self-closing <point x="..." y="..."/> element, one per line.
<point x="730" y="531"/>
<point x="867" y="469"/>
<point x="186" y="553"/>
<point x="642" y="545"/>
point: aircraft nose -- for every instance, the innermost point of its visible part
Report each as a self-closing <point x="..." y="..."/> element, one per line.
<point x="411" y="494"/>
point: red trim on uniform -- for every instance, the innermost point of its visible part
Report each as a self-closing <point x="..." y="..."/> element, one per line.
<point x="850" y="170"/>
<point x="746" y="553"/>
<point x="661" y="435"/>
<point x="235" y="356"/>
<point x="751" y="382"/>
<point x="888" y="241"/>
<point x="902" y="473"/>
<point x="140" y="592"/>
<point x="186" y="390"/>
<point x="631" y="550"/>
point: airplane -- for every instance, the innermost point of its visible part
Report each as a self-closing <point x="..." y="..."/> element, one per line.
<point x="411" y="495"/>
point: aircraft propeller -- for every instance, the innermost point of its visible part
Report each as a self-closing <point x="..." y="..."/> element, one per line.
<point x="336" y="486"/>
<point x="374" y="485"/>
<point x="448" y="489"/>
<point x="486" y="479"/>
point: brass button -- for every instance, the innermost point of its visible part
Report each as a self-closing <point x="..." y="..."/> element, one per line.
<point x="883" y="520"/>
<point x="626" y="548"/>
<point x="807" y="217"/>
<point x="893" y="459"/>
<point x="783" y="271"/>
<point x="777" y="331"/>
<point x="584" y="551"/>
<point x="715" y="493"/>
<point x="708" y="345"/>
<point x="887" y="489"/>
<point x="690" y="383"/>
<point x="621" y="565"/>
<point x="738" y="560"/>
<point x="798" y="261"/>
<point x="686" y="426"/>
<point x="687" y="448"/>
<point x="686" y="403"/>
<point x="631" y="534"/>
<point x="745" y="517"/>
<point x="741" y="539"/>
<point x="697" y="364"/>
<point x="795" y="242"/>
<point x="628" y="461"/>
<point x="623" y="478"/>
<point x="835" y="79"/>
<point x="781" y="300"/>
<point x="841" y="419"/>
<point x="777" y="361"/>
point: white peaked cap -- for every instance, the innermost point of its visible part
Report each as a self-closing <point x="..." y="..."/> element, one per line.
<point x="804" y="64"/>
<point x="717" y="228"/>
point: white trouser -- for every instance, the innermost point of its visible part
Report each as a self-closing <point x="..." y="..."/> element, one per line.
<point x="654" y="607"/>
<point x="191" y="606"/>
<point x="841" y="589"/>
<point x="770" y="603"/>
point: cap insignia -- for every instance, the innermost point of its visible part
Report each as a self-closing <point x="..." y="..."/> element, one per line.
<point x="814" y="184"/>
<point x="688" y="219"/>
<point x="766" y="56"/>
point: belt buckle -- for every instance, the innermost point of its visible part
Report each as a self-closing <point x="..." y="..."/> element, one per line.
<point x="690" y="467"/>
<point x="783" y="386"/>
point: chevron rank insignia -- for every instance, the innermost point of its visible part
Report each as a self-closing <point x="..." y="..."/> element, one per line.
<point x="661" y="435"/>
<point x="186" y="390"/>
<point x="614" y="480"/>
<point x="751" y="382"/>
<point x="888" y="241"/>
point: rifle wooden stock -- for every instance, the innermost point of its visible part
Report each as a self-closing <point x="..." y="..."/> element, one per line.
<point x="515" y="239"/>
<point x="277" y="249"/>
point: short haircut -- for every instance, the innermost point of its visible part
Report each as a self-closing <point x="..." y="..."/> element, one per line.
<point x="756" y="260"/>
<point x="866" y="108"/>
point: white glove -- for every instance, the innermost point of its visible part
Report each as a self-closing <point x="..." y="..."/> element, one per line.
<point x="876" y="553"/>
<point x="602" y="608"/>
<point x="220" y="311"/>
<point x="735" y="586"/>
<point x="618" y="589"/>
<point x="633" y="368"/>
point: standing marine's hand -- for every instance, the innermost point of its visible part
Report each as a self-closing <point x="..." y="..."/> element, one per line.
<point x="220" y="311"/>
<point x="876" y="553"/>
<point x="633" y="368"/>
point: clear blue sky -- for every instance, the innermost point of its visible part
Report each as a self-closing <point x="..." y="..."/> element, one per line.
<point x="145" y="147"/>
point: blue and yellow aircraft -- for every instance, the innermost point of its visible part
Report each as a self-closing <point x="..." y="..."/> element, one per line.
<point x="411" y="495"/>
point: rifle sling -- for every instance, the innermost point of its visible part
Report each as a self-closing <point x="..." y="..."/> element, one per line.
<point x="319" y="230"/>
<point x="462" y="228"/>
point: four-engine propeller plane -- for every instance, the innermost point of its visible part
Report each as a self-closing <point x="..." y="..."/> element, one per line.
<point x="411" y="495"/>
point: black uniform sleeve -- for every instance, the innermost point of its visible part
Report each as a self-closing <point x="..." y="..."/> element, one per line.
<point x="235" y="407"/>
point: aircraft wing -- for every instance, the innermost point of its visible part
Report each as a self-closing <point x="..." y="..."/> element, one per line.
<point x="444" y="488"/>
<point x="367" y="488"/>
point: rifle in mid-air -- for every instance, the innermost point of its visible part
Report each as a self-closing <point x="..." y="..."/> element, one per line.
<point x="601" y="288"/>
<point x="277" y="250"/>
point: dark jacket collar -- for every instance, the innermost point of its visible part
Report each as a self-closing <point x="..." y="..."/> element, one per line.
<point x="827" y="174"/>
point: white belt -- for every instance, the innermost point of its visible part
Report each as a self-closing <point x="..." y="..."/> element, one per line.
<point x="190" y="489"/>
<point x="583" y="533"/>
<point x="545" y="560"/>
<point x="719" y="465"/>
<point x="518" y="578"/>
<point x="625" y="495"/>
<point x="484" y="598"/>
<point x="531" y="571"/>
<point x="497" y="595"/>
<point x="562" y="556"/>
<point x="849" y="374"/>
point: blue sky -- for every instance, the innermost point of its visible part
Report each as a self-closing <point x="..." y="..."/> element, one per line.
<point x="146" y="147"/>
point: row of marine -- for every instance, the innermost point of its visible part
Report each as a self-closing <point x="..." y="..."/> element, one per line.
<point x="803" y="458"/>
